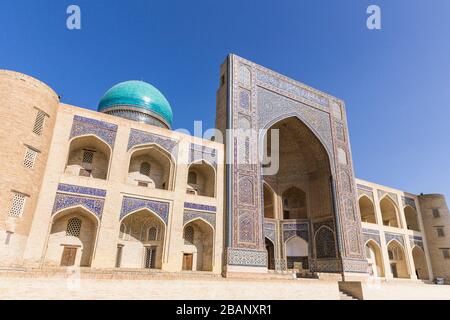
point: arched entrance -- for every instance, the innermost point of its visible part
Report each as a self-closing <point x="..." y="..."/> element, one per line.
<point x="270" y="254"/>
<point x="389" y="212"/>
<point x="198" y="237"/>
<point x="294" y="204"/>
<point x="397" y="260"/>
<point x="151" y="167"/>
<point x="297" y="253"/>
<point x="411" y="219"/>
<point x="141" y="241"/>
<point x="201" y="179"/>
<point x="374" y="259"/>
<point x="302" y="189"/>
<point x="88" y="157"/>
<point x="72" y="238"/>
<point x="367" y="210"/>
<point x="420" y="263"/>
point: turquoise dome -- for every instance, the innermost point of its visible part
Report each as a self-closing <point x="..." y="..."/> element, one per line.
<point x="139" y="96"/>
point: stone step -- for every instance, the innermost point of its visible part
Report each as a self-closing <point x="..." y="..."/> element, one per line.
<point x="345" y="296"/>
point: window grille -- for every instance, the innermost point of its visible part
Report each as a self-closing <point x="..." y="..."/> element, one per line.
<point x="73" y="227"/>
<point x="88" y="157"/>
<point x="18" y="204"/>
<point x="436" y="213"/>
<point x="145" y="169"/>
<point x="39" y="122"/>
<point x="30" y="158"/>
<point x="152" y="233"/>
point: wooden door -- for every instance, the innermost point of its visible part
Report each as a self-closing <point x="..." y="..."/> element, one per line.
<point x="187" y="261"/>
<point x="68" y="257"/>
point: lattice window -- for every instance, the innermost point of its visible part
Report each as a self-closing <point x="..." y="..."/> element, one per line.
<point x="440" y="231"/>
<point x="152" y="234"/>
<point x="30" y="158"/>
<point x="189" y="235"/>
<point x="88" y="157"/>
<point x="145" y="169"/>
<point x="73" y="227"/>
<point x="436" y="213"/>
<point x="446" y="253"/>
<point x="18" y="204"/>
<point x="39" y="122"/>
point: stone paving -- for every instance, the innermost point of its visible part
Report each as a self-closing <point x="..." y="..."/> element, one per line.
<point x="177" y="289"/>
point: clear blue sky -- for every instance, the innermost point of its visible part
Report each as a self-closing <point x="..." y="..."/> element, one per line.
<point x="396" y="82"/>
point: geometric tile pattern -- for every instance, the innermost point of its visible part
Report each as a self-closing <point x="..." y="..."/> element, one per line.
<point x="138" y="137"/>
<point x="103" y="130"/>
<point x="189" y="215"/>
<point x="201" y="207"/>
<point x="130" y="204"/>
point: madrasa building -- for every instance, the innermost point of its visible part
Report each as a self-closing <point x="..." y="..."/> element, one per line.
<point x="117" y="189"/>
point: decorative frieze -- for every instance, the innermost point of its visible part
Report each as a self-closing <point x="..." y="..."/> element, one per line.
<point x="391" y="236"/>
<point x="201" y="207"/>
<point x="409" y="202"/>
<point x="138" y="137"/>
<point x="189" y="215"/>
<point x="130" y="204"/>
<point x="82" y="190"/>
<point x="246" y="258"/>
<point x="66" y="201"/>
<point x="82" y="126"/>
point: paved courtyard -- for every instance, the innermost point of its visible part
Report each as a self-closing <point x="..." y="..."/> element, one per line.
<point x="177" y="289"/>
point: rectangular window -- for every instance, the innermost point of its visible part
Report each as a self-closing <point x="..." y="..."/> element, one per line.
<point x="39" y="122"/>
<point x="88" y="157"/>
<point x="436" y="213"/>
<point x="30" y="158"/>
<point x="446" y="253"/>
<point x="440" y="231"/>
<point x="18" y="204"/>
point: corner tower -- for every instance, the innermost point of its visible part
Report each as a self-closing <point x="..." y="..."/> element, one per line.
<point x="28" y="109"/>
<point x="298" y="211"/>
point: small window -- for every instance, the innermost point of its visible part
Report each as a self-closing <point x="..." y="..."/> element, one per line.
<point x="440" y="231"/>
<point x="286" y="202"/>
<point x="222" y="80"/>
<point x="286" y="214"/>
<point x="152" y="234"/>
<point x="436" y="213"/>
<point x="192" y="177"/>
<point x="142" y="184"/>
<point x="446" y="253"/>
<point x="391" y="255"/>
<point x="145" y="169"/>
<point x="189" y="235"/>
<point x="18" y="204"/>
<point x="39" y="122"/>
<point x="73" y="227"/>
<point x="30" y="158"/>
<point x="88" y="157"/>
